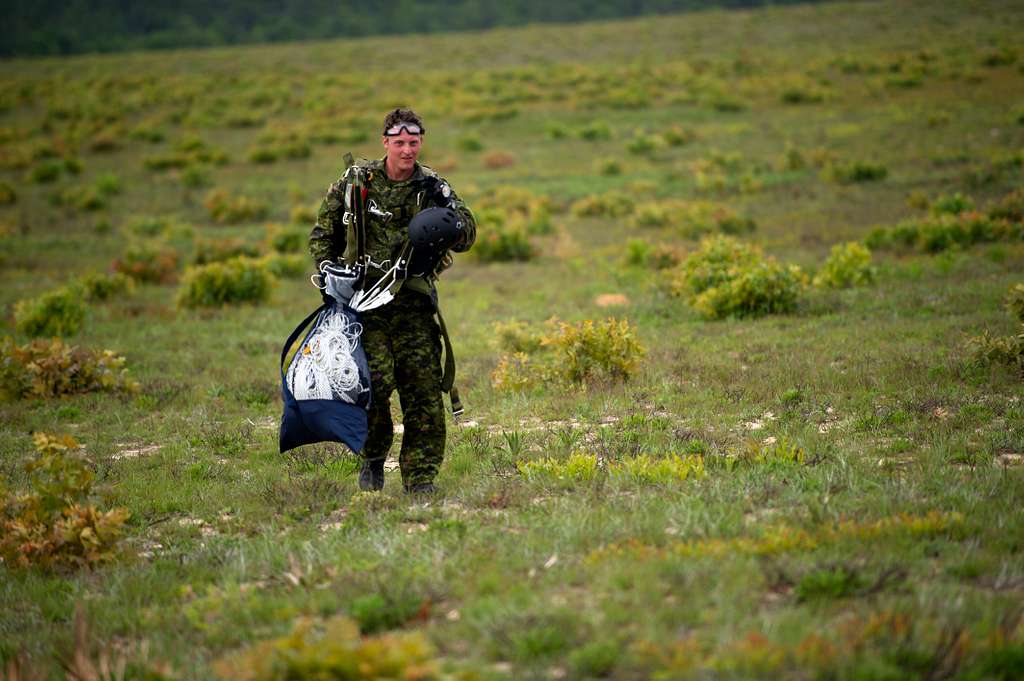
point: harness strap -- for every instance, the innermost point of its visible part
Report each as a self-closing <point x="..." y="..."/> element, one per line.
<point x="448" y="377"/>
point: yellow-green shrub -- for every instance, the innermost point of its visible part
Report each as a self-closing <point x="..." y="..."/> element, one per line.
<point x="1015" y="302"/>
<point x="727" y="277"/>
<point x="588" y="349"/>
<point x="571" y="353"/>
<point x="149" y="263"/>
<point x="7" y="194"/>
<point x="287" y="265"/>
<point x="60" y="312"/>
<point x="644" y="468"/>
<point x="219" y="250"/>
<point x="847" y="265"/>
<point x="333" y="650"/>
<point x="287" y="239"/>
<point x="579" y="467"/>
<point x="516" y="336"/>
<point x="504" y="244"/>
<point x="56" y="524"/>
<point x="611" y="205"/>
<point x="850" y="172"/>
<point x="99" y="287"/>
<point x="227" y="209"/>
<point x="232" y="281"/>
<point x="50" y="368"/>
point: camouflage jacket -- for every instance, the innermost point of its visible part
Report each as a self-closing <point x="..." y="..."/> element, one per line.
<point x="384" y="237"/>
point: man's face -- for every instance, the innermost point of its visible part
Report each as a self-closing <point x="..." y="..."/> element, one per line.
<point x="402" y="150"/>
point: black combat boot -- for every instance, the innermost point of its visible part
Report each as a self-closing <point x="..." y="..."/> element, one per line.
<point x="371" y="475"/>
<point x="421" y="489"/>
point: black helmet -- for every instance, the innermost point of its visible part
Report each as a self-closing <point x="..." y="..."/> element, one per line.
<point x="432" y="232"/>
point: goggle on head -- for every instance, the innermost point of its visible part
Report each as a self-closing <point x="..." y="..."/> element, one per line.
<point x="411" y="128"/>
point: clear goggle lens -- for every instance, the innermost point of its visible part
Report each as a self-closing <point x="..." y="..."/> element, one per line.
<point x="410" y="128"/>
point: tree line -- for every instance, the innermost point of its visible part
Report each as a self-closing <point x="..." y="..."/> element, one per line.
<point x="83" y="26"/>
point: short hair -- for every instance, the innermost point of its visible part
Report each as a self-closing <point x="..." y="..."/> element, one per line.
<point x="401" y="116"/>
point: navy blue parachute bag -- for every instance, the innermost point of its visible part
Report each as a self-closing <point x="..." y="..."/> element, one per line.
<point x="326" y="387"/>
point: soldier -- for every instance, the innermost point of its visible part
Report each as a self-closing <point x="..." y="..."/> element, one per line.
<point x="402" y="339"/>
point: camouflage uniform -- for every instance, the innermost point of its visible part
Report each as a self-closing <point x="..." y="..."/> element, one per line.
<point x="402" y="338"/>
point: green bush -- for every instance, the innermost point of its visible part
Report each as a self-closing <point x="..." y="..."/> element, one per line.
<point x="469" y="143"/>
<point x="951" y="204"/>
<point x="847" y="265"/>
<point x="504" y="244"/>
<point x="148" y="225"/>
<point x="986" y="350"/>
<point x="239" y="280"/>
<point x="45" y="172"/>
<point x="7" y="194"/>
<point x="99" y="287"/>
<point x="57" y="523"/>
<point x="855" y="171"/>
<point x="597" y="130"/>
<point x="149" y="263"/>
<point x="1009" y="207"/>
<point x="642" y="144"/>
<point x="612" y="204"/>
<point x="333" y="650"/>
<point x="1015" y="302"/>
<point x="287" y="265"/>
<point x="588" y="349"/>
<point x="56" y="313"/>
<point x="726" y="278"/>
<point x="49" y="368"/>
<point x="764" y="288"/>
<point x="227" y="209"/>
<point x="937" y="234"/>
<point x="287" y="238"/>
<point x="219" y="250"/>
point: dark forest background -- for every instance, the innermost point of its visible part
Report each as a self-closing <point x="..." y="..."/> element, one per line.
<point x="35" y="27"/>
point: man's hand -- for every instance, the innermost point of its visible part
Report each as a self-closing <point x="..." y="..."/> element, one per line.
<point x="437" y="192"/>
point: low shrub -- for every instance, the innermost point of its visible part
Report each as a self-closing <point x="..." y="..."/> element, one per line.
<point x="227" y="209"/>
<point x="504" y="244"/>
<point x="588" y="350"/>
<point x="951" y="204"/>
<point x="658" y="256"/>
<point x="60" y="312"/>
<point x="855" y="171"/>
<point x="727" y="278"/>
<point x="303" y="215"/>
<point x="1010" y="207"/>
<point x="239" y="280"/>
<point x="287" y="265"/>
<point x="608" y="166"/>
<point x="1015" y="302"/>
<point x="148" y="225"/>
<point x="642" y="144"/>
<point x="572" y="354"/>
<point x="57" y="523"/>
<point x="516" y="336"/>
<point x="45" y="172"/>
<point x="7" y="194"/>
<point x="937" y="234"/>
<point x="469" y="143"/>
<point x="287" y="239"/>
<point x="611" y="204"/>
<point x="219" y="250"/>
<point x="595" y="131"/>
<point x="50" y="368"/>
<point x="196" y="176"/>
<point x="149" y="263"/>
<point x="847" y="265"/>
<point x="676" y="136"/>
<point x="496" y="160"/>
<point x="987" y="350"/>
<point x="578" y="467"/>
<point x="333" y="650"/>
<point x="647" y="469"/>
<point x="99" y="287"/>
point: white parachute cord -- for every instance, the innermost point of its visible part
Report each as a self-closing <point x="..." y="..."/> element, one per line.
<point x="332" y="351"/>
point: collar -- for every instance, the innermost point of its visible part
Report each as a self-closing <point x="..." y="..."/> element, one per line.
<point x="417" y="172"/>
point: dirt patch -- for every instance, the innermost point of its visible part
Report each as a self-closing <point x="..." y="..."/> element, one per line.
<point x="134" y="451"/>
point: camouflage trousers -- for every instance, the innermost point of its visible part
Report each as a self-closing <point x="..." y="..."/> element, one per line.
<point x="403" y="348"/>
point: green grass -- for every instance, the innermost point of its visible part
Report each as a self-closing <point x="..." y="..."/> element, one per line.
<point x="890" y="549"/>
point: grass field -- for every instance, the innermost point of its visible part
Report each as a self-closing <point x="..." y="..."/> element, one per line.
<point x="832" y="491"/>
